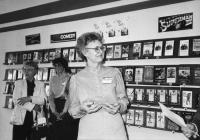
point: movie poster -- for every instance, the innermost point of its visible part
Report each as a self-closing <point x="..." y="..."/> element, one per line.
<point x="175" y="22"/>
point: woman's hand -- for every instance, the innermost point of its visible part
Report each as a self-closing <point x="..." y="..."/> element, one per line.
<point x="111" y="108"/>
<point x="23" y="100"/>
<point x="90" y="106"/>
<point x="189" y="131"/>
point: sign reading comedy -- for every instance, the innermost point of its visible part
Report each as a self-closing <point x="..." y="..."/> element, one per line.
<point x="63" y="37"/>
<point x="175" y="22"/>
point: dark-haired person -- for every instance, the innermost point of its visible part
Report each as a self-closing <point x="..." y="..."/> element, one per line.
<point x="28" y="95"/>
<point x="97" y="94"/>
<point x="64" y="126"/>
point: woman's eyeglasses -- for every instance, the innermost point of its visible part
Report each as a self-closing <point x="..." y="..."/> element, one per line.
<point x="98" y="48"/>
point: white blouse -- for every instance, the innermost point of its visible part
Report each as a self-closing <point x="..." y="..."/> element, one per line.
<point x="105" y="86"/>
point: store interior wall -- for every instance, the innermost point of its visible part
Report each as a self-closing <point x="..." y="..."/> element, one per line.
<point x="142" y="25"/>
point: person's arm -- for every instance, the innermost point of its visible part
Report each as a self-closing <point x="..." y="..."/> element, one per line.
<point x="17" y="92"/>
<point x="75" y="108"/>
<point x="40" y="96"/>
<point x="22" y="102"/>
<point x="121" y="93"/>
<point x="51" y="98"/>
<point x="33" y="102"/>
<point x="66" y="93"/>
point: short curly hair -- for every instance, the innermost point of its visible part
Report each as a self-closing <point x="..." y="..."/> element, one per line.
<point x="84" y="39"/>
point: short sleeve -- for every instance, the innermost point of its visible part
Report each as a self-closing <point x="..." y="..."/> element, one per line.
<point x="120" y="91"/>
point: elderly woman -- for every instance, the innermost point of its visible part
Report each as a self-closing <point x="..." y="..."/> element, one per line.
<point x="97" y="94"/>
<point x="28" y="95"/>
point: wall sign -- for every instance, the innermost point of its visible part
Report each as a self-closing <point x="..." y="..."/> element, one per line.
<point x="175" y="22"/>
<point x="64" y="37"/>
<point x="32" y="39"/>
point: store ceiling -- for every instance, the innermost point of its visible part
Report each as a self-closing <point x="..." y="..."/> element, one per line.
<point x="15" y="10"/>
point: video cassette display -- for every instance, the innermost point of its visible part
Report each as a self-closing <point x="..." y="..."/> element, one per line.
<point x="184" y="48"/>
<point x="187" y="98"/>
<point x="130" y="93"/>
<point x="184" y="75"/>
<point x="160" y="120"/>
<point x="150" y="95"/>
<point x="148" y="74"/>
<point x="139" y="74"/>
<point x="147" y="50"/>
<point x="71" y="54"/>
<point x="171" y="75"/>
<point x="65" y="53"/>
<point x="158" y="47"/>
<point x="109" y="52"/>
<point x="196" y="47"/>
<point x="130" y="117"/>
<point x="139" y="117"/>
<point x="117" y="51"/>
<point x="129" y="74"/>
<point x="196" y="75"/>
<point x="46" y="56"/>
<point x="52" y="54"/>
<point x="160" y="74"/>
<point x="150" y="118"/>
<point x="174" y="97"/>
<point x="137" y="49"/>
<point x="125" y="51"/>
<point x="162" y="96"/>
<point x="169" y="48"/>
<point x="139" y="95"/>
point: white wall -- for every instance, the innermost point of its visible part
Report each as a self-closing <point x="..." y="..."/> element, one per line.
<point x="142" y="24"/>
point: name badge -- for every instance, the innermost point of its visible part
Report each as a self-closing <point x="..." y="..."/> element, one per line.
<point x="107" y="80"/>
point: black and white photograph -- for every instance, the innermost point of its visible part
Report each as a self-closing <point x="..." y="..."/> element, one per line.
<point x="99" y="69"/>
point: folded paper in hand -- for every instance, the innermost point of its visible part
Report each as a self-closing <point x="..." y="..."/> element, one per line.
<point x="172" y="116"/>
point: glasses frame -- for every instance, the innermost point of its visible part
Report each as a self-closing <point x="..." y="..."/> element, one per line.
<point x="98" y="48"/>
